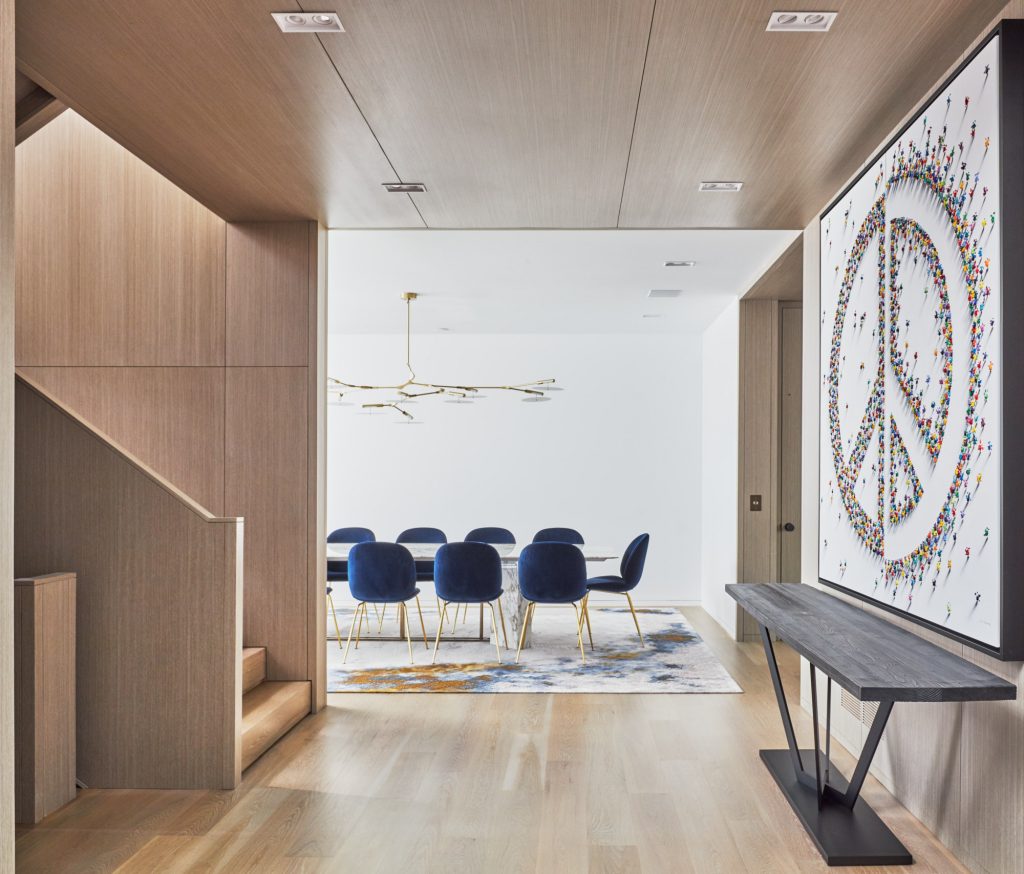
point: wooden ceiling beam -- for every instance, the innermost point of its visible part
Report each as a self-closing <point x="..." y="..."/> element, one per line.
<point x="34" y="111"/>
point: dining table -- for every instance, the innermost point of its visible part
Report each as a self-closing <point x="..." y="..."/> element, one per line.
<point x="513" y="603"/>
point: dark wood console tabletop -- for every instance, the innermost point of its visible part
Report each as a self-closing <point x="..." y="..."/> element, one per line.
<point x="873" y="660"/>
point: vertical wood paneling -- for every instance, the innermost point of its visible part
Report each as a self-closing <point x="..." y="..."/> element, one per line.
<point x="170" y="417"/>
<point x="45" y="695"/>
<point x="6" y="434"/>
<point x="174" y="250"/>
<point x="266" y="483"/>
<point x="759" y="446"/>
<point x="116" y="266"/>
<point x="159" y="659"/>
<point x="316" y="454"/>
<point x="268" y="294"/>
<point x="72" y="283"/>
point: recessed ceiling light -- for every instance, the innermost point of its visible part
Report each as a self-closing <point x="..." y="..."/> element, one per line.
<point x="308" y="22"/>
<point x="680" y="263"/>
<point x="664" y="292"/>
<point x="404" y="187"/>
<point x="720" y="186"/>
<point x="813" y="22"/>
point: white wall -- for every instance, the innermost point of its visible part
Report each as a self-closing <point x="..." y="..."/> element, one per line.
<point x="719" y="464"/>
<point x="617" y="453"/>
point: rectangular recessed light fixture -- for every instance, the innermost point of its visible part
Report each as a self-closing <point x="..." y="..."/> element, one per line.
<point x="651" y="316"/>
<point x="404" y="187"/>
<point x="801" y="22"/>
<point x="665" y="292"/>
<point x="720" y="186"/>
<point x="680" y="263"/>
<point x="308" y="22"/>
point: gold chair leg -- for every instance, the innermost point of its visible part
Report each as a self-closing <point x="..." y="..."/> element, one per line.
<point x="350" y="628"/>
<point x="494" y="625"/>
<point x="334" y="613"/>
<point x="465" y="611"/>
<point x="501" y="613"/>
<point x="522" y="631"/>
<point x="361" y="610"/>
<point x="586" y="615"/>
<point x="404" y="611"/>
<point x="579" y="630"/>
<point x="635" y="621"/>
<point x="380" y="617"/>
<point x="440" y="627"/>
<point x="423" y="627"/>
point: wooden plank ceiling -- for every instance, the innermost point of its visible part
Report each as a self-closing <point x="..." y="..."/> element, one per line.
<point x="514" y="113"/>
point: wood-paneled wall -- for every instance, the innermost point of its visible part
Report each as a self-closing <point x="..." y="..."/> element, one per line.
<point x="6" y="434"/>
<point x="194" y="343"/>
<point x="159" y="653"/>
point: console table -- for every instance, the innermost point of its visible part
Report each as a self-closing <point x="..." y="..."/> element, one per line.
<point x="873" y="660"/>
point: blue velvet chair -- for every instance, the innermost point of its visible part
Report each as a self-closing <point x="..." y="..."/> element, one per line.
<point x="553" y="572"/>
<point x="558" y="535"/>
<point x="424" y="569"/>
<point x="382" y="573"/>
<point x="491" y="535"/>
<point x="631" y="568"/>
<point x="337" y="568"/>
<point x="468" y="573"/>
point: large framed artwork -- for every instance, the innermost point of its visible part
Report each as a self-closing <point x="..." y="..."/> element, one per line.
<point x="922" y="363"/>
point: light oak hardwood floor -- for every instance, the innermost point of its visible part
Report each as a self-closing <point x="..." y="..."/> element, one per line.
<point x="487" y="783"/>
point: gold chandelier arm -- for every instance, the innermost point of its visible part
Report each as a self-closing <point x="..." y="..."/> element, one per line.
<point x="392" y="406"/>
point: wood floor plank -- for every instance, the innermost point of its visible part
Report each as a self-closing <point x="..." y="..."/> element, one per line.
<point x="515" y="784"/>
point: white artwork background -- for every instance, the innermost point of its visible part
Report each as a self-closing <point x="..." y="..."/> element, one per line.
<point x="958" y="587"/>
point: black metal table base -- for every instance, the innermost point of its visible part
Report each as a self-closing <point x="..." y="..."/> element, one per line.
<point x="843" y="835"/>
<point x="844" y="828"/>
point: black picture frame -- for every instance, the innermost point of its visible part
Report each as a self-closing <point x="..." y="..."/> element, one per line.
<point x="1011" y="230"/>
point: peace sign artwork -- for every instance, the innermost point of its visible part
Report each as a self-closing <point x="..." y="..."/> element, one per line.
<point x="912" y="335"/>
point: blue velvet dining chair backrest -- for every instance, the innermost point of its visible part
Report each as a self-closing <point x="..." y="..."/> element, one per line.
<point x="558" y="535"/>
<point x="632" y="566"/>
<point x="351" y="535"/>
<point x="491" y="535"/>
<point x="381" y="572"/>
<point x="467" y="572"/>
<point x="422" y="535"/>
<point x="552" y="572"/>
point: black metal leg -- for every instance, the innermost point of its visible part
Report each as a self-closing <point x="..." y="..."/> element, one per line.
<point x="849" y="798"/>
<point x="817" y="742"/>
<point x="780" y="696"/>
<point x="828" y="727"/>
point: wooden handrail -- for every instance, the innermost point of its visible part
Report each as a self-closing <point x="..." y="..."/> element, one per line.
<point x="116" y="447"/>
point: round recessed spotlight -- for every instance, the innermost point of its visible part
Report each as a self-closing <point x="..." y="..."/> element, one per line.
<point x="814" y="18"/>
<point x="296" y="19"/>
<point x="323" y="19"/>
<point x="786" y="18"/>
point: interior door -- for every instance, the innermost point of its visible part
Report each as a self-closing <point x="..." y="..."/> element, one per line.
<point x="790" y="364"/>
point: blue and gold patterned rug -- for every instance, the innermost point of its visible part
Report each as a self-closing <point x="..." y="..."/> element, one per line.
<point x="675" y="659"/>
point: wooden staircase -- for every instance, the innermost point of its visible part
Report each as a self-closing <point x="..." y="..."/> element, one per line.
<point x="269" y="709"/>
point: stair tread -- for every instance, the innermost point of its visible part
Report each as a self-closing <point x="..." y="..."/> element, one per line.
<point x="254" y="667"/>
<point x="269" y="711"/>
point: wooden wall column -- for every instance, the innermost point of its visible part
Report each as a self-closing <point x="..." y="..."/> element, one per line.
<point x="6" y="435"/>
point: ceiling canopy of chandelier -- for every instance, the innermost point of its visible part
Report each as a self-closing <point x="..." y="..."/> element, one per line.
<point x="412" y="389"/>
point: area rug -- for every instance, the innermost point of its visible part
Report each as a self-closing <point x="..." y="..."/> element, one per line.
<point x="675" y="659"/>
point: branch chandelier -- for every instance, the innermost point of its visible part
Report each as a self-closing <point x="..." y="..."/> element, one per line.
<point x="412" y="389"/>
